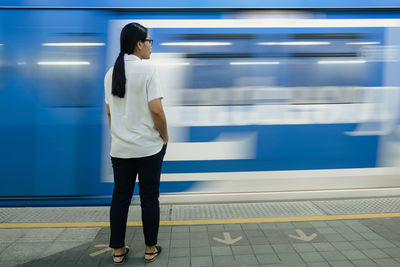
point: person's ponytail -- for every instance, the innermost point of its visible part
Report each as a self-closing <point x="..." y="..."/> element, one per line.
<point x="118" y="77"/>
<point x="130" y="35"/>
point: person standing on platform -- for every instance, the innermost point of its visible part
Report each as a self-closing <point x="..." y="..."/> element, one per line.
<point x="139" y="138"/>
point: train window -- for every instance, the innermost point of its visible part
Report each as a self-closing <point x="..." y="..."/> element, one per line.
<point x="67" y="70"/>
<point x="262" y="66"/>
<point x="272" y="66"/>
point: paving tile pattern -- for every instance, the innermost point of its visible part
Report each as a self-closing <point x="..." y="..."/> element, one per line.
<point x="194" y="245"/>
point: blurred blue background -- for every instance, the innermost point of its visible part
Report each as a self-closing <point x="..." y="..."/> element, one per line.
<point x="252" y="92"/>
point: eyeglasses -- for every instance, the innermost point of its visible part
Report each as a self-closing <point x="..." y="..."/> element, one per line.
<point x="149" y="40"/>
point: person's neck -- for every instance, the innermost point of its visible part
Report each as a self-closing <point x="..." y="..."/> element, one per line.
<point x="136" y="54"/>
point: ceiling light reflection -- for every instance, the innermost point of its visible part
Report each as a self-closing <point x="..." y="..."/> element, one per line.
<point x="172" y="64"/>
<point x="342" y="61"/>
<point x="255" y="63"/>
<point x="63" y="63"/>
<point x="363" y="43"/>
<point x="73" y="44"/>
<point x="197" y="44"/>
<point x="294" y="43"/>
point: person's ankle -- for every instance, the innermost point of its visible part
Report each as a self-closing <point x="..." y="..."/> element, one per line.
<point x="150" y="248"/>
<point x="120" y="249"/>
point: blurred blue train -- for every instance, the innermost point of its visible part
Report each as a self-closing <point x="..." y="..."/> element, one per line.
<point x="262" y="104"/>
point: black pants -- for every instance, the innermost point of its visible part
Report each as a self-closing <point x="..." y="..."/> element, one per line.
<point x="125" y="172"/>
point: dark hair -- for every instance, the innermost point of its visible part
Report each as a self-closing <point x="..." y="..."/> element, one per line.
<point x="130" y="35"/>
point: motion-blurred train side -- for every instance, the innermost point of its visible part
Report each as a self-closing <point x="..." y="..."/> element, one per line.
<point x="261" y="104"/>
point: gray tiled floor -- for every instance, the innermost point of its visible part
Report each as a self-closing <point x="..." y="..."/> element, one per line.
<point x="364" y="242"/>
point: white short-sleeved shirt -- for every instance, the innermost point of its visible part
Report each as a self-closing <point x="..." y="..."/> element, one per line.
<point x="133" y="132"/>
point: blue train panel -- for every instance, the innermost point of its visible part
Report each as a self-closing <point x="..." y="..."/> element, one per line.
<point x="252" y="100"/>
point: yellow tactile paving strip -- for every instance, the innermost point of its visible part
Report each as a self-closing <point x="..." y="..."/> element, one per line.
<point x="205" y="222"/>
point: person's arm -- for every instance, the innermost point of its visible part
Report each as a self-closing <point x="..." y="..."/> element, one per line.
<point x="157" y="112"/>
<point x="109" y="115"/>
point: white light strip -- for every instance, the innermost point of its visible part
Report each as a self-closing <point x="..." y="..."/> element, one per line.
<point x="73" y="44"/>
<point x="282" y="175"/>
<point x="63" y="63"/>
<point x="363" y="43"/>
<point x="264" y="23"/>
<point x="294" y="43"/>
<point x="342" y="61"/>
<point x="255" y="63"/>
<point x="197" y="44"/>
<point x="1" y="44"/>
<point x="172" y="64"/>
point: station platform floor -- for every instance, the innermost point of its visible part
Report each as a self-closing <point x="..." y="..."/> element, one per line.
<point x="346" y="232"/>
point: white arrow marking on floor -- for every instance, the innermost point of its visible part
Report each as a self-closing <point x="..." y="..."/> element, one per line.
<point x="303" y="236"/>
<point x="100" y="251"/>
<point x="227" y="239"/>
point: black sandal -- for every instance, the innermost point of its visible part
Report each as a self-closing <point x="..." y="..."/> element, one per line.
<point x="153" y="253"/>
<point x="124" y="257"/>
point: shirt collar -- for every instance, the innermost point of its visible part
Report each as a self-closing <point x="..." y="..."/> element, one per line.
<point x="131" y="57"/>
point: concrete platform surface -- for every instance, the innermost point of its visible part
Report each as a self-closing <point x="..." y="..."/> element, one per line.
<point x="324" y="233"/>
